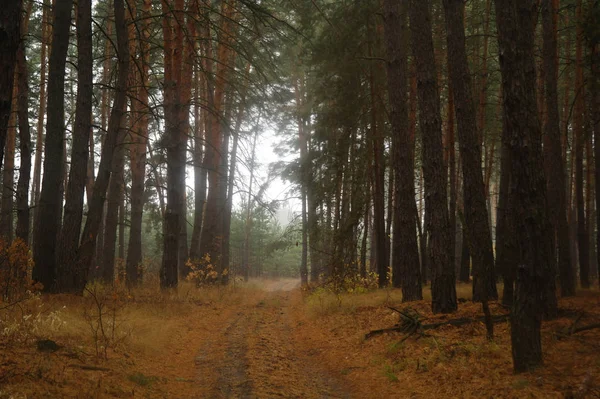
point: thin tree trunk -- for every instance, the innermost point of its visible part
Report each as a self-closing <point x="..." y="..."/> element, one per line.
<point x="199" y="171"/>
<point x="37" y="169"/>
<point x="579" y="138"/>
<point x="248" y="224"/>
<point x="22" y="231"/>
<point x="365" y="235"/>
<point x="595" y="113"/>
<point x="121" y="248"/>
<point x="377" y="143"/>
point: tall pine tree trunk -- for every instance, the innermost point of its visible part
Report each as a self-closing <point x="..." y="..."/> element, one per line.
<point x="87" y="247"/>
<point x="528" y="187"/>
<point x="555" y="168"/>
<point x="138" y="158"/>
<point x="22" y="231"/>
<point x="39" y="142"/>
<point x="10" y="35"/>
<point x="405" y="262"/>
<point x="579" y="138"/>
<point x="443" y="289"/>
<point x="73" y="210"/>
<point x="50" y="203"/>
<point x="8" y="174"/>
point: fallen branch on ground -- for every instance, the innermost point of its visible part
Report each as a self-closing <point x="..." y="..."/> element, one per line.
<point x="410" y="323"/>
<point x="88" y="367"/>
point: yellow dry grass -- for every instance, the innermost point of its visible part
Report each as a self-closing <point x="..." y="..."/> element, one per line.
<point x="455" y="362"/>
<point x="169" y="345"/>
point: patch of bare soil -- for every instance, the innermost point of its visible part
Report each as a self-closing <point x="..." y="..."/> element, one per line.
<point x="259" y="358"/>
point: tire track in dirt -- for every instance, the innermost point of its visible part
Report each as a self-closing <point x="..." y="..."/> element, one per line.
<point x="233" y="380"/>
<point x="255" y="356"/>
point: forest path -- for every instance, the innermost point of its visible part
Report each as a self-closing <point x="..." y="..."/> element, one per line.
<point x="254" y="354"/>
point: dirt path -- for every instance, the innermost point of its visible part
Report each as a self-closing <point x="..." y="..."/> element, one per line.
<point x="256" y="356"/>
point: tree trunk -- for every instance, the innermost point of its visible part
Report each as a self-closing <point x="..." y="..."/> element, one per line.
<point x="10" y="37"/>
<point x="50" y="203"/>
<point x="465" y="259"/>
<point x="173" y="141"/>
<point x="595" y="113"/>
<point x="365" y="235"/>
<point x="211" y="237"/>
<point x="443" y="289"/>
<point x="377" y="142"/>
<point x="113" y="201"/>
<point x="199" y="171"/>
<point x="73" y="210"/>
<point x="555" y="168"/>
<point x="22" y="231"/>
<point x="229" y="203"/>
<point x="39" y="143"/>
<point x="8" y="175"/>
<point x="475" y="210"/>
<point x="579" y="138"/>
<point x="248" y="224"/>
<point x="405" y="262"/>
<point x="532" y="230"/>
<point x="87" y="248"/>
<point x="506" y="248"/>
<point x="138" y="158"/>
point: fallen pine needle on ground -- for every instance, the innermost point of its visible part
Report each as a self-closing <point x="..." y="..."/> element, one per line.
<point x="269" y="338"/>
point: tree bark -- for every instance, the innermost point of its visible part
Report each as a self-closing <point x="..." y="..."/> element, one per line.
<point x="377" y="143"/>
<point x="532" y="230"/>
<point x="199" y="171"/>
<point x="50" y="203"/>
<point x="475" y="210"/>
<point x="211" y="237"/>
<point x="73" y="210"/>
<point x="555" y="168"/>
<point x="595" y="108"/>
<point x="443" y="287"/>
<point x="10" y="37"/>
<point x="138" y="157"/>
<point x="113" y="202"/>
<point x="405" y="262"/>
<point x="87" y="248"/>
<point x="579" y="138"/>
<point x="22" y="231"/>
<point x="8" y="175"/>
<point x="39" y="143"/>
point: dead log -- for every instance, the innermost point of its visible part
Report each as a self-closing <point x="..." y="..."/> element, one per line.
<point x="410" y="324"/>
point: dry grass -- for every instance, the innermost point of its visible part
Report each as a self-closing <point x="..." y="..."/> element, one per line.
<point x="164" y="335"/>
<point x="321" y="302"/>
<point x="153" y="335"/>
<point x="452" y="361"/>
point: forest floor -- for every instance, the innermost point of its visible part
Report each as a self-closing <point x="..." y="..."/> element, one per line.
<point x="269" y="339"/>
